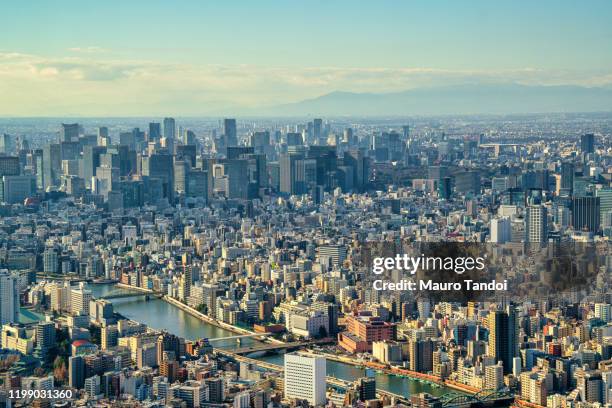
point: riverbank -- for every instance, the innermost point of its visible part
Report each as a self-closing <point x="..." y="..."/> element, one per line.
<point x="427" y="378"/>
<point x="163" y="315"/>
<point x="190" y="310"/>
<point x="215" y="322"/>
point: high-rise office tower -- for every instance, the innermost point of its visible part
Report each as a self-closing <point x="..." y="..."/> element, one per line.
<point x="102" y="131"/>
<point x="348" y="135"/>
<point x="9" y="298"/>
<point x="15" y="189"/>
<point x="294" y="139"/>
<point x="259" y="140"/>
<point x="154" y="131"/>
<point x="6" y="143"/>
<point x="406" y="132"/>
<point x="76" y="372"/>
<point x="605" y="206"/>
<point x="503" y="336"/>
<point x="169" y="128"/>
<point x="69" y="132"/>
<point x="91" y="161"/>
<point x="305" y="378"/>
<point x="421" y="355"/>
<point x="587" y="143"/>
<point x="9" y="166"/>
<point x="197" y="184"/>
<point x="356" y="159"/>
<point x="567" y="177"/>
<point x="160" y="166"/>
<point x="317" y="129"/>
<point x="297" y="174"/>
<point x="229" y="132"/>
<point x="52" y="163"/>
<point x="103" y="137"/>
<point x="586" y="213"/>
<point x="181" y="177"/>
<point x="536" y="228"/>
<point x="467" y="182"/>
<point x="500" y="230"/>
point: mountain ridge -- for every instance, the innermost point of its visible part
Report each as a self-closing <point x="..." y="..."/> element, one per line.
<point x="453" y="99"/>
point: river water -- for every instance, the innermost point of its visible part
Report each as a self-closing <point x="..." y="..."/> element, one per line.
<point x="158" y="314"/>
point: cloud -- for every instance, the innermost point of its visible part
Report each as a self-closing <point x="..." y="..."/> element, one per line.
<point x="92" y="84"/>
<point x="87" y="50"/>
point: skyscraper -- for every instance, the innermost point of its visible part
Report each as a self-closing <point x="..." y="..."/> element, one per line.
<point x="503" y="336"/>
<point x="536" y="224"/>
<point x="154" y="131"/>
<point x="9" y="298"/>
<point x="445" y="189"/>
<point x="467" y="182"/>
<point x="288" y="173"/>
<point x="76" y="372"/>
<point x="305" y="378"/>
<point x="91" y="161"/>
<point x="586" y="213"/>
<point x="587" y="143"/>
<point x="317" y="126"/>
<point x="421" y="355"/>
<point x="6" y="143"/>
<point x="169" y="128"/>
<point x="605" y="206"/>
<point x="229" y="132"/>
<point x="69" y="132"/>
<point x="160" y="166"/>
<point x="567" y="177"/>
<point x="500" y="230"/>
<point x="52" y="162"/>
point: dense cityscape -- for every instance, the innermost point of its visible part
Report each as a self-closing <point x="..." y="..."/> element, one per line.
<point x="192" y="262"/>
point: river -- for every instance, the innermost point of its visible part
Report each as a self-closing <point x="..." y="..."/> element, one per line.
<point x="161" y="315"/>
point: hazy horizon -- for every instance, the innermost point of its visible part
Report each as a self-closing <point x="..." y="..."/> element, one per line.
<point x="194" y="58"/>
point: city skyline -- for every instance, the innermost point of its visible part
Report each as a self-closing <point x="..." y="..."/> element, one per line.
<point x="399" y="204"/>
<point x="110" y="60"/>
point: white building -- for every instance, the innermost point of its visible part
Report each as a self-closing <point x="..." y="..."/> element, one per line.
<point x="305" y="378"/>
<point x="242" y="400"/>
<point x="79" y="301"/>
<point x="537" y="224"/>
<point x="387" y="352"/>
<point x="308" y="324"/>
<point x="494" y="376"/>
<point x="9" y="298"/>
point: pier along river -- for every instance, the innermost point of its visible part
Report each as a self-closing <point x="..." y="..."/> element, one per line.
<point x="161" y="315"/>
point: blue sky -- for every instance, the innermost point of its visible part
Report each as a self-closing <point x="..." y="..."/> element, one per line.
<point x="206" y="56"/>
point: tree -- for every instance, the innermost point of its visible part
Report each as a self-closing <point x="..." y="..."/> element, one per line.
<point x="59" y="370"/>
<point x="8" y="362"/>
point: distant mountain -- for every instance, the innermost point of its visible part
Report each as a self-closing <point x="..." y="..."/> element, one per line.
<point x="448" y="100"/>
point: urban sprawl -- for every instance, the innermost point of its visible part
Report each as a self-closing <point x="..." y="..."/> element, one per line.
<point x="256" y="228"/>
